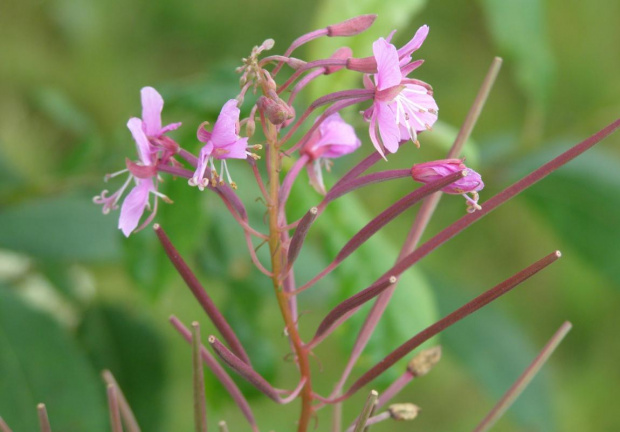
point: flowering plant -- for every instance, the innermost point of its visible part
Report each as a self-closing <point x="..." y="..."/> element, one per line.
<point x="400" y="111"/>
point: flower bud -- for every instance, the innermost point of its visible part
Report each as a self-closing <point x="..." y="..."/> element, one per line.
<point x="430" y="171"/>
<point x="422" y="363"/>
<point x="276" y="110"/>
<point x="403" y="411"/>
<point x="352" y="26"/>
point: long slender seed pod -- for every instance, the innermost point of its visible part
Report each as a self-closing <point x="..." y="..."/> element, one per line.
<point x="382" y="219"/>
<point x="129" y="419"/>
<point x="44" y="421"/>
<point x="499" y="199"/>
<point x="113" y="408"/>
<point x="369" y="407"/>
<point x="352" y="303"/>
<point x="351" y="185"/>
<point x="243" y="369"/>
<point x="394" y="210"/>
<point x="522" y="382"/>
<point x="220" y="374"/>
<point x="3" y="426"/>
<point x="222" y="426"/>
<point x="200" y="404"/>
<point x="447" y="321"/>
<point x="201" y="295"/>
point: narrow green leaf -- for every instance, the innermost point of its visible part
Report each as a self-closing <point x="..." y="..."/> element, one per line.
<point x="130" y="347"/>
<point x="40" y="363"/>
<point x="518" y="28"/>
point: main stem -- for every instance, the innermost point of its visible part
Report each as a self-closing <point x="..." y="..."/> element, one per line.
<point x="278" y="264"/>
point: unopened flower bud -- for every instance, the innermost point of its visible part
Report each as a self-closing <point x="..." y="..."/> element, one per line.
<point x="352" y="26"/>
<point x="276" y="110"/>
<point x="422" y="363"/>
<point x="403" y="411"/>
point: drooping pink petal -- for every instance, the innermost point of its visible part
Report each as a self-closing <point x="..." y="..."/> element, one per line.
<point x="135" y="125"/>
<point x="133" y="206"/>
<point x="202" y="133"/>
<point x="388" y="128"/>
<point x="225" y="128"/>
<point x="201" y="167"/>
<point x="152" y="106"/>
<point x="388" y="70"/>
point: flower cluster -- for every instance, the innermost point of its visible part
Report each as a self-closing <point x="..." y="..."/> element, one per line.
<point x="398" y="109"/>
<point x="401" y="108"/>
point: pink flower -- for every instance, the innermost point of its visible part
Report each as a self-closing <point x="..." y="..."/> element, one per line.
<point x="153" y="148"/>
<point x="402" y="107"/>
<point x="472" y="183"/>
<point x="223" y="143"/>
<point x="334" y="138"/>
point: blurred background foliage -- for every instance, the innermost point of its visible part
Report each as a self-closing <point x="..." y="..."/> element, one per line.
<point x="76" y="297"/>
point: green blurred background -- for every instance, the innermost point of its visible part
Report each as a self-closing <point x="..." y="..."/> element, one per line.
<point x="76" y="297"/>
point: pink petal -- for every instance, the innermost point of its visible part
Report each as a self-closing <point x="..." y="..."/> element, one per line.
<point x="236" y="150"/>
<point x="225" y="128"/>
<point x="135" y="125"/>
<point x="388" y="70"/>
<point x="415" y="43"/>
<point x="388" y="128"/>
<point x="152" y="106"/>
<point x="372" y="130"/>
<point x="203" y="158"/>
<point x="338" y="136"/>
<point x="134" y="205"/>
<point x="203" y="134"/>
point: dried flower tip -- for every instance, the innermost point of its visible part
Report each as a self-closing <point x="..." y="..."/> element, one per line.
<point x="422" y="363"/>
<point x="404" y="411"/>
<point x="256" y="146"/>
<point x="393" y="279"/>
<point x="352" y="26"/>
<point x="275" y="109"/>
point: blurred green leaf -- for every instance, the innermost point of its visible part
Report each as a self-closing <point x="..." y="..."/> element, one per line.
<point x="40" y="363"/>
<point x="132" y="349"/>
<point x="392" y="14"/>
<point x="63" y="112"/>
<point x="64" y="228"/>
<point x="581" y="203"/>
<point x="519" y="30"/>
<point x="493" y="349"/>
